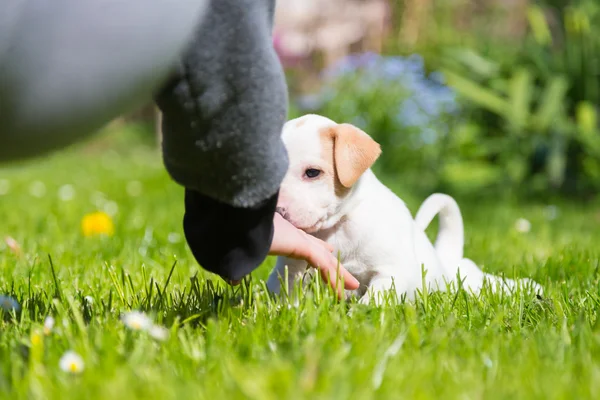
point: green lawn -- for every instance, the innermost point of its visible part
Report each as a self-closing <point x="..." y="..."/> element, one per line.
<point x="239" y="343"/>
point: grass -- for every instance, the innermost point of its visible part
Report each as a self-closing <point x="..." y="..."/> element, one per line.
<point x="239" y="343"/>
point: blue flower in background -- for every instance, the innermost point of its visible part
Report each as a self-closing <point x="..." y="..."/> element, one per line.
<point x="410" y="114"/>
<point x="408" y="69"/>
<point x="393" y="69"/>
<point x="429" y="136"/>
<point x="438" y="77"/>
<point x="351" y="64"/>
<point x="8" y="304"/>
<point x="422" y="100"/>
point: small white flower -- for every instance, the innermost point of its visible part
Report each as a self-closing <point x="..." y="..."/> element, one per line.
<point x="71" y="362"/>
<point x="4" y="187"/>
<point x="137" y="321"/>
<point x="522" y="225"/>
<point x="66" y="192"/>
<point x="488" y="362"/>
<point x="174" y="237"/>
<point x="551" y="212"/>
<point x="111" y="208"/>
<point x="159" y="332"/>
<point x="89" y="300"/>
<point x="12" y="244"/>
<point x="48" y="325"/>
<point x="37" y="189"/>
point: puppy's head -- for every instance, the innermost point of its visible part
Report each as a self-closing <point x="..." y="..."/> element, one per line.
<point x="326" y="160"/>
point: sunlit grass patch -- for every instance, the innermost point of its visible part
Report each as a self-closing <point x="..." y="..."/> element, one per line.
<point x="65" y="295"/>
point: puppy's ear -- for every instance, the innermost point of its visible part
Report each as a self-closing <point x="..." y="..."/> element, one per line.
<point x="354" y="153"/>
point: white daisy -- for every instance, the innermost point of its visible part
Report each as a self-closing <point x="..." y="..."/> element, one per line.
<point x="48" y="325"/>
<point x="551" y="212"/>
<point x="4" y="187"/>
<point x="522" y="225"/>
<point x="12" y="244"/>
<point x="111" y="208"/>
<point x="37" y="189"/>
<point x="137" y="321"/>
<point x="71" y="362"/>
<point x="174" y="237"/>
<point x="66" y="193"/>
<point x="159" y="332"/>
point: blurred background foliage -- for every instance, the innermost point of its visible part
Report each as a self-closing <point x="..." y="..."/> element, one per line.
<point x="474" y="97"/>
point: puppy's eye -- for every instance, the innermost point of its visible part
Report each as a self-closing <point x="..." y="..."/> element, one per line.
<point x="312" y="173"/>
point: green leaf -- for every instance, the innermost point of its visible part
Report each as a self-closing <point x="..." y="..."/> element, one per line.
<point x="477" y="94"/>
<point x="556" y="163"/>
<point x="587" y="118"/>
<point x="476" y="63"/>
<point x="467" y="175"/>
<point x="587" y="126"/>
<point x="550" y="108"/>
<point x="516" y="168"/>
<point x="539" y="25"/>
<point x="521" y="89"/>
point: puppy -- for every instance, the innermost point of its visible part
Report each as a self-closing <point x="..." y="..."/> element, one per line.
<point x="331" y="193"/>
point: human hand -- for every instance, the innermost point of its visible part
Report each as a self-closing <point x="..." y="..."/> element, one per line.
<point x="292" y="242"/>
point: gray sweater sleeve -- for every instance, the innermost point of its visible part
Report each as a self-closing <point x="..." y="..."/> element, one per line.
<point x="67" y="67"/>
<point x="224" y="109"/>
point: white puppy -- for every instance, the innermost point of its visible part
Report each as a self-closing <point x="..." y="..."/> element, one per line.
<point x="331" y="193"/>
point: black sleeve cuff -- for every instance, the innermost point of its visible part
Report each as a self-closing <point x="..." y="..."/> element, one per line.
<point x="228" y="241"/>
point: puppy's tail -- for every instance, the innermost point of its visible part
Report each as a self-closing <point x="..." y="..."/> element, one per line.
<point x="449" y="243"/>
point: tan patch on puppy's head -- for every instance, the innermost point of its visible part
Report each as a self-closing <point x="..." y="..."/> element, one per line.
<point x="349" y="152"/>
<point x="327" y="150"/>
<point x="301" y="121"/>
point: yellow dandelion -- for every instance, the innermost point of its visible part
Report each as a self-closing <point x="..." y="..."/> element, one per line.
<point x="36" y="353"/>
<point x="97" y="223"/>
<point x="71" y="362"/>
<point x="36" y="339"/>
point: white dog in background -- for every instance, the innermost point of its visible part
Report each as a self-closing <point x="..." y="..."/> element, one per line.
<point x="331" y="193"/>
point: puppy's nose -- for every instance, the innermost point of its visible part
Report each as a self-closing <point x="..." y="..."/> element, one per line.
<point x="281" y="211"/>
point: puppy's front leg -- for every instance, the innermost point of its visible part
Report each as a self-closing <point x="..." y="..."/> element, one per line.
<point x="401" y="273"/>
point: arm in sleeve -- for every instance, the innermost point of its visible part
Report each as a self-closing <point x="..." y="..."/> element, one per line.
<point x="67" y="67"/>
<point x="228" y="241"/>
<point x="223" y="112"/>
